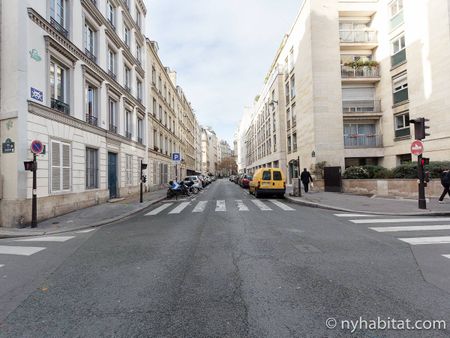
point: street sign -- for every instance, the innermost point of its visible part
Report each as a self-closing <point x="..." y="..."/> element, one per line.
<point x="417" y="147"/>
<point x="176" y="157"/>
<point x="8" y="146"/>
<point x="37" y="147"/>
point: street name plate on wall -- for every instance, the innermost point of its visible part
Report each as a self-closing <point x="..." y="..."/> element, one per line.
<point x="8" y="146"/>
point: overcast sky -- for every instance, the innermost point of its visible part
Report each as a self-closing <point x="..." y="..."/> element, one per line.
<point x="221" y="50"/>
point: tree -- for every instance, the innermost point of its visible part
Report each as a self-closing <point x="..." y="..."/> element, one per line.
<point x="227" y="166"/>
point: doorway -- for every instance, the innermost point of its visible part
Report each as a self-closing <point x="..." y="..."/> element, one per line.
<point x="112" y="175"/>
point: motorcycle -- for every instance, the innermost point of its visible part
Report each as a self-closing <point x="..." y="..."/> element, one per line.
<point x="182" y="189"/>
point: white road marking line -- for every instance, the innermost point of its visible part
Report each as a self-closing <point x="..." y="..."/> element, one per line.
<point x="200" y="207"/>
<point x="401" y="220"/>
<point x="2" y="265"/>
<point x="159" y="209"/>
<point x="353" y="215"/>
<point x="261" y="205"/>
<point x="220" y="205"/>
<point x="446" y="256"/>
<point x="46" y="239"/>
<point x="426" y="240"/>
<point x="282" y="205"/>
<point x="179" y="208"/>
<point x="19" y="250"/>
<point x="411" y="228"/>
<point x="241" y="206"/>
<point x="84" y="231"/>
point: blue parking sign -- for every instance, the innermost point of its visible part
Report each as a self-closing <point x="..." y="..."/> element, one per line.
<point x="176" y="157"/>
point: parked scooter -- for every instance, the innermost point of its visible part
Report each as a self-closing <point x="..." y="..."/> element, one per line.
<point x="178" y="189"/>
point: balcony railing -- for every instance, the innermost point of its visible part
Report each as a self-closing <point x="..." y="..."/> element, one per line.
<point x="61" y="106"/>
<point x="397" y="20"/>
<point x="361" y="72"/>
<point x="288" y="124"/>
<point x="112" y="74"/>
<point x="398" y="58"/>
<point x="140" y="140"/>
<point x="113" y="128"/>
<point x="127" y="88"/>
<point x="128" y="134"/>
<point x="401" y="96"/>
<point x="361" y="106"/>
<point x="91" y="119"/>
<point x="358" y="36"/>
<point x="363" y="141"/>
<point x="90" y="55"/>
<point x="59" y="27"/>
<point x="125" y="2"/>
<point x="94" y="2"/>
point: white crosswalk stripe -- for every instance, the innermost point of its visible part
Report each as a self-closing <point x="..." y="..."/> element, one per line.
<point x="261" y="205"/>
<point x="446" y="256"/>
<point x="19" y="250"/>
<point x="84" y="231"/>
<point x="282" y="205"/>
<point x="353" y="215"/>
<point x="179" y="208"/>
<point x="221" y="206"/>
<point x="426" y="240"/>
<point x="401" y="220"/>
<point x="200" y="207"/>
<point x="46" y="239"/>
<point x="159" y="209"/>
<point x="411" y="228"/>
<point x="241" y="206"/>
<point x="2" y="265"/>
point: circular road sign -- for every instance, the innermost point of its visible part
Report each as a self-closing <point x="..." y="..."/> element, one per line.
<point x="417" y="147"/>
<point x="37" y="147"/>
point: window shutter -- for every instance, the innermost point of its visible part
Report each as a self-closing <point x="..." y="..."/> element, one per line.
<point x="66" y="166"/>
<point x="56" y="166"/>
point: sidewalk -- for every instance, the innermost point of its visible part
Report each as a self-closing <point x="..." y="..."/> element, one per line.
<point x="89" y="217"/>
<point x="370" y="205"/>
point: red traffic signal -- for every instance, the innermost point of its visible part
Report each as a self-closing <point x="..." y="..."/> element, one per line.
<point x="425" y="161"/>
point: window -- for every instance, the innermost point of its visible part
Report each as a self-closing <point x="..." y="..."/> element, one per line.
<point x="153" y="75"/>
<point x="165" y="119"/>
<point x="110" y="13"/>
<point x="111" y="63"/>
<point x="294" y="116"/>
<point x="161" y="142"/>
<point x="395" y="7"/>
<point x="160" y="115"/>
<point x="129" y="169"/>
<point x="112" y="115"/>
<point x="292" y="85"/>
<point x="277" y="176"/>
<point x="58" y="16"/>
<point x="287" y="92"/>
<point x="128" y="124"/>
<point x="154" y="108"/>
<point x="266" y="176"/>
<point x="90" y="42"/>
<point x="138" y="18"/>
<point x="289" y="144"/>
<point x="138" y="53"/>
<point x="398" y="46"/>
<point x="288" y="118"/>
<point x="91" y="104"/>
<point x="60" y="166"/>
<point x="159" y="84"/>
<point x="155" y="140"/>
<point x="140" y="130"/>
<point x="401" y="125"/>
<point x="139" y="89"/>
<point x="126" y="35"/>
<point x="127" y="78"/>
<point x="274" y="143"/>
<point x="400" y="88"/>
<point x="58" y="87"/>
<point x="91" y="168"/>
<point x="294" y="142"/>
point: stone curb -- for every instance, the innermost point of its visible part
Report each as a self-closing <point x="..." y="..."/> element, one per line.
<point x="82" y="227"/>
<point x="329" y="207"/>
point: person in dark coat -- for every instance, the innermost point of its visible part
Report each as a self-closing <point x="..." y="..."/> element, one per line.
<point x="445" y="181"/>
<point x="306" y="178"/>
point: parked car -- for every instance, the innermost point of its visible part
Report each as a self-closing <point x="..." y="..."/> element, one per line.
<point x="245" y="180"/>
<point x="197" y="182"/>
<point x="236" y="179"/>
<point x="231" y="178"/>
<point x="268" y="181"/>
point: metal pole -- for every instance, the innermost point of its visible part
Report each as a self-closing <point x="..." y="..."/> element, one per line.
<point x="298" y="177"/>
<point x="422" y="200"/>
<point x="34" y="196"/>
<point x="141" y="192"/>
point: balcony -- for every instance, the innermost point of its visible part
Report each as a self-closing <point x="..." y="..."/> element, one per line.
<point x="112" y="74"/>
<point x="59" y="27"/>
<point x="358" y="39"/>
<point x="113" y="128"/>
<point x="397" y="20"/>
<point x="61" y="106"/>
<point x="361" y="106"/>
<point x="126" y="4"/>
<point x="91" y="119"/>
<point x="360" y="74"/>
<point x="128" y="134"/>
<point x="90" y="55"/>
<point x="140" y="140"/>
<point x="363" y="141"/>
<point x="127" y="88"/>
<point x="94" y="2"/>
<point x="401" y="96"/>
<point x="398" y="58"/>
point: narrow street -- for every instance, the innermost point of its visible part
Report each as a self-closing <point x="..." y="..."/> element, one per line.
<point x="224" y="264"/>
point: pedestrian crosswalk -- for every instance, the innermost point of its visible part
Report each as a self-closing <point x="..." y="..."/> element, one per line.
<point x="406" y="229"/>
<point x="219" y="206"/>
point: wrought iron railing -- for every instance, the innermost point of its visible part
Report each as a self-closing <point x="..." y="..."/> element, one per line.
<point x="112" y="74"/>
<point x="59" y="27"/>
<point x="91" y="119"/>
<point x="61" y="106"/>
<point x="112" y="128"/>
<point x="128" y="134"/>
<point x="90" y="55"/>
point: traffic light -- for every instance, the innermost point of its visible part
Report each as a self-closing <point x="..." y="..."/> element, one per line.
<point x="143" y="166"/>
<point x="425" y="161"/>
<point x="29" y="165"/>
<point x="420" y="128"/>
<point x="144" y="178"/>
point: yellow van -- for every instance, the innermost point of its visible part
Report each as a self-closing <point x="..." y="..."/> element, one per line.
<point x="268" y="181"/>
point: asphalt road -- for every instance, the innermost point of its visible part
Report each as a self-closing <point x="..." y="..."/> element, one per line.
<point x="223" y="264"/>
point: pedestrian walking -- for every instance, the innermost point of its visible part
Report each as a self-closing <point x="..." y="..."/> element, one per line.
<point x="306" y="178"/>
<point x="445" y="181"/>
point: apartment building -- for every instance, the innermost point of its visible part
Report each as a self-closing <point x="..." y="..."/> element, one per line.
<point x="209" y="151"/>
<point x="355" y="72"/>
<point x="171" y="124"/>
<point x="73" y="78"/>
